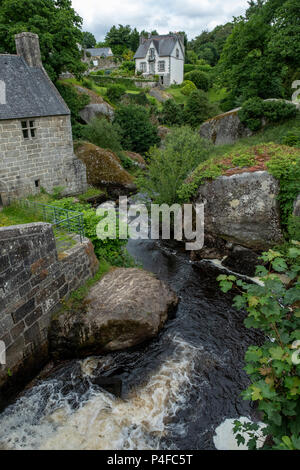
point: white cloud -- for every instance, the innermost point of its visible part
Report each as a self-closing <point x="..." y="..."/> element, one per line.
<point x="192" y="16"/>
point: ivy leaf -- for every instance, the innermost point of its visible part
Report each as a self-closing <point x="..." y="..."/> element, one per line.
<point x="293" y="252"/>
<point x="226" y="286"/>
<point x="292" y="295"/>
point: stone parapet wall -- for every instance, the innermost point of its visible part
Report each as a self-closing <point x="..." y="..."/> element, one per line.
<point x="33" y="281"/>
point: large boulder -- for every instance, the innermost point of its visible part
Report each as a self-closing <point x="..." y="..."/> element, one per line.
<point x="242" y="209"/>
<point x="104" y="169"/>
<point x="97" y="106"/>
<point x="125" y="308"/>
<point x="225" y="128"/>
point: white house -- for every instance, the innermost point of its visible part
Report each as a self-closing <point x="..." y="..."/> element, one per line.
<point x="162" y="56"/>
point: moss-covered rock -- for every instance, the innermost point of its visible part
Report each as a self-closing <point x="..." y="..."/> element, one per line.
<point x="104" y="168"/>
<point x="137" y="159"/>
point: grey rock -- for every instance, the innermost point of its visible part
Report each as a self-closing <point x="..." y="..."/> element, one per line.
<point x="225" y="128"/>
<point x="96" y="110"/>
<point x="125" y="308"/>
<point x="243" y="209"/>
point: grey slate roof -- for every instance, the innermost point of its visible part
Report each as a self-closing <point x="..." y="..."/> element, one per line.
<point x="29" y="91"/>
<point x="164" y="46"/>
<point x="100" y="51"/>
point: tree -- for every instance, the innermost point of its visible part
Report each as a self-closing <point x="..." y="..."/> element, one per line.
<point x="122" y="38"/>
<point x="139" y="134"/>
<point x="261" y="56"/>
<point x="168" y="167"/>
<point x="88" y="40"/>
<point x="198" y="108"/>
<point x="58" y="27"/>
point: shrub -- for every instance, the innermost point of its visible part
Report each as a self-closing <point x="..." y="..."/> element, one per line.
<point x="110" y="250"/>
<point x="138" y="133"/>
<point x="292" y="138"/>
<point x="75" y="102"/>
<point x="251" y="113"/>
<point x="187" y="87"/>
<point x="183" y="151"/>
<point x="273" y="367"/>
<point x="199" y="78"/>
<point x="114" y="92"/>
<point x="172" y="113"/>
<point x="189" y="67"/>
<point x="128" y="65"/>
<point x="255" y="109"/>
<point x="104" y="134"/>
<point x="198" y="108"/>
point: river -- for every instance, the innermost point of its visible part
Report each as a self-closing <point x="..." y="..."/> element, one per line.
<point x="176" y="389"/>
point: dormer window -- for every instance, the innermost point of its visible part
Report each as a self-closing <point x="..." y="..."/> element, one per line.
<point x="151" y="53"/>
<point x="28" y="129"/>
<point x="177" y="53"/>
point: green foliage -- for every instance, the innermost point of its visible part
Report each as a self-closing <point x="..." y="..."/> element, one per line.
<point x="261" y="57"/>
<point x="168" y="167"/>
<point x="121" y="38"/>
<point x="251" y="113"/>
<point x="254" y="110"/>
<point x="274" y="367"/>
<point x="209" y="45"/>
<point x="138" y="133"/>
<point x="88" y="40"/>
<point x="111" y="250"/>
<point x="198" y="108"/>
<point x="199" y="78"/>
<point x="285" y="167"/>
<point x="128" y="65"/>
<point x="294" y="228"/>
<point x="171" y="113"/>
<point x="292" y="138"/>
<point x="114" y="92"/>
<point x="58" y="27"/>
<point x="104" y="134"/>
<point x="187" y="87"/>
<point x="75" y="102"/>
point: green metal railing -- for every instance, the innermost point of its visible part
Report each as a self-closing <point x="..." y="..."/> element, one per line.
<point x="62" y="219"/>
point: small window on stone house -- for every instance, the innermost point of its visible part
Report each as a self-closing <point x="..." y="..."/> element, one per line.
<point x="161" y="66"/>
<point x="28" y="129"/>
<point x="177" y="53"/>
<point x="143" y="66"/>
<point x="151" y="55"/>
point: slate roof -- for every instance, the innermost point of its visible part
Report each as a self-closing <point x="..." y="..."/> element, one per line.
<point x="100" y="51"/>
<point x="164" y="46"/>
<point x="29" y="91"/>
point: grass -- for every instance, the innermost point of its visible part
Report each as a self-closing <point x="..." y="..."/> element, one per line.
<point x="177" y="95"/>
<point x="76" y="301"/>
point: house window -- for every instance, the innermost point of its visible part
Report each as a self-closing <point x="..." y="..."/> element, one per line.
<point x="151" y="55"/>
<point x="28" y="129"/>
<point x="161" y="66"/>
<point x="143" y="66"/>
<point x="177" y="53"/>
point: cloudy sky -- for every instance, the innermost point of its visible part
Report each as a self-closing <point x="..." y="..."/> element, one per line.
<point x="192" y="16"/>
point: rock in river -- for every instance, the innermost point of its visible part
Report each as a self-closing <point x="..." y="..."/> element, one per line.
<point x="125" y="308"/>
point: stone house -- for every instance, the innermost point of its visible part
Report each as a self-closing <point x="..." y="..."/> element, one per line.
<point x="162" y="56"/>
<point x="36" y="146"/>
<point x="96" y="56"/>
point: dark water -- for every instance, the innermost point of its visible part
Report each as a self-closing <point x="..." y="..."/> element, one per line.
<point x="176" y="390"/>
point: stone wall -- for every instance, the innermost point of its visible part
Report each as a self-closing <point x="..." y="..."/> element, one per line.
<point x="33" y="281"/>
<point x="47" y="160"/>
